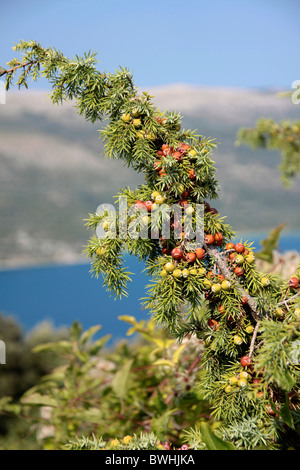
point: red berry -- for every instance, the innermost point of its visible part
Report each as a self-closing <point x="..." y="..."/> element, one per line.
<point x="178" y="156"/>
<point x="213" y="324"/>
<point x="177" y="253"/>
<point x="244" y="300"/>
<point x="221" y="309"/>
<point x="185" y="194"/>
<point x="246" y="361"/>
<point x="184" y="447"/>
<point x="219" y="239"/>
<point x="209" y="239"/>
<point x="183" y="202"/>
<point x="239" y="247"/>
<point x="230" y="246"/>
<point x="157" y="165"/>
<point x="167" y="446"/>
<point x="192" y="174"/>
<point x="238" y="271"/>
<point x="148" y="205"/>
<point x="139" y="204"/>
<point x="190" y="258"/>
<point x="213" y="210"/>
<point x="200" y="253"/>
<point x="184" y="147"/>
<point x="206" y="207"/>
<point x="294" y="282"/>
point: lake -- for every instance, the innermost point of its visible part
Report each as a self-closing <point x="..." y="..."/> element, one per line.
<point x="63" y="294"/>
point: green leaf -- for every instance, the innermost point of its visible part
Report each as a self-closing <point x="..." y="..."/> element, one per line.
<point x="75" y="331"/>
<point x="97" y="345"/>
<point x="36" y="399"/>
<point x="121" y="380"/>
<point x="286" y="414"/>
<point x="163" y="362"/>
<point x="86" y="335"/>
<point x="58" y="347"/>
<point x="212" y="441"/>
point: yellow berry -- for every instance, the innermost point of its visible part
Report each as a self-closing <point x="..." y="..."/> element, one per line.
<point x="249" y="329"/>
<point x="244" y="375"/>
<point x="114" y="443"/>
<point x="265" y="281"/>
<point x="127" y="439"/>
<point x="185" y="273"/>
<point x="159" y="199"/>
<point x="169" y="267"/>
<point x="126" y="117"/>
<point x="237" y="340"/>
<point x="226" y="285"/>
<point x="177" y="273"/>
<point x="155" y="194"/>
<point x="193" y="271"/>
<point x="202" y="272"/>
<point x="137" y="122"/>
<point x="233" y="380"/>
<point x="242" y="383"/>
<point x="216" y="288"/>
<point x="207" y="284"/>
<point x="297" y="313"/>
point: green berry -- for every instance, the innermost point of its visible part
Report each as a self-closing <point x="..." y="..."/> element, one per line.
<point x="169" y="267"/>
<point x="202" y="272"/>
<point x="237" y="340"/>
<point x="216" y="288"/>
<point x="177" y="273"/>
<point x="242" y="383"/>
<point x="265" y="281"/>
<point x="233" y="380"/>
<point x="226" y="285"/>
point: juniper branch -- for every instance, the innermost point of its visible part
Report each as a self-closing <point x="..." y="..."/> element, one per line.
<point x="224" y="269"/>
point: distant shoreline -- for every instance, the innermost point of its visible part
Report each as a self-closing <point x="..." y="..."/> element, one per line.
<point x="11" y="265"/>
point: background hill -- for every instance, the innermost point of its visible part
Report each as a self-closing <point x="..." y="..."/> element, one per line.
<point x="52" y="173"/>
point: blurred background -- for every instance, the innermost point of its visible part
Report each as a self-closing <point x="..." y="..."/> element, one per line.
<point x="220" y="64"/>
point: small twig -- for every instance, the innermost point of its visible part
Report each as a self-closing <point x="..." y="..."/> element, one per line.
<point x="224" y="269"/>
<point x="253" y="339"/>
<point x="30" y="63"/>
<point x="284" y="302"/>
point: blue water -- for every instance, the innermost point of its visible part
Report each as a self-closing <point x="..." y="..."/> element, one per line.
<point x="63" y="294"/>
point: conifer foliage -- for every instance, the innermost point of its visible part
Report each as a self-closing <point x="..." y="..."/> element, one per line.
<point x="248" y="321"/>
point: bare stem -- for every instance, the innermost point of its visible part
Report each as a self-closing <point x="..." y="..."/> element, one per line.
<point x="253" y="339"/>
<point x="224" y="269"/>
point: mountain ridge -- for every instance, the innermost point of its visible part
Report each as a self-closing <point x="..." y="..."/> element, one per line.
<point x="53" y="172"/>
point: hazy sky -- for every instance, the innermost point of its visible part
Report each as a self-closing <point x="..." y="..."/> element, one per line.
<point x="243" y="43"/>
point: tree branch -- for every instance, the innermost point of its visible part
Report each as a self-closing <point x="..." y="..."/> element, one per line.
<point x="5" y="72"/>
<point x="224" y="269"/>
